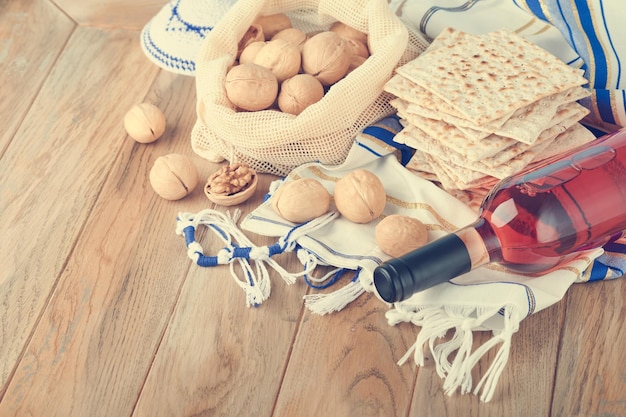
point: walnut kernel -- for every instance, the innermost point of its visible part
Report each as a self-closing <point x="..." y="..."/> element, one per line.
<point x="230" y="179"/>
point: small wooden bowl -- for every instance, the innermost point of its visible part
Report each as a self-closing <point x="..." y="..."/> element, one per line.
<point x="233" y="199"/>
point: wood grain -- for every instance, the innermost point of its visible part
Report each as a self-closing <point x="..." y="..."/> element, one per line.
<point x="344" y="365"/>
<point x="110" y="308"/>
<point x="528" y="376"/>
<point x="221" y="358"/>
<point x="32" y="35"/>
<point x="53" y="173"/>
<point x="103" y="314"/>
<point x="111" y="13"/>
<point x="591" y="373"/>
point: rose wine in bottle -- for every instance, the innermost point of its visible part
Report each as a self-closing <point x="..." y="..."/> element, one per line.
<point x="529" y="222"/>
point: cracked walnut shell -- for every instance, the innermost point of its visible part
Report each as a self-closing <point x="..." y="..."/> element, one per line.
<point x="231" y="184"/>
<point x="253" y="34"/>
<point x="273" y="23"/>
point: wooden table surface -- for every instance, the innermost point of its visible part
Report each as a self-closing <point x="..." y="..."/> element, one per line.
<point x="103" y="314"/>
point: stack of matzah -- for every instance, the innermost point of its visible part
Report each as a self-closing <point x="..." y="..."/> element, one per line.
<point x="480" y="108"/>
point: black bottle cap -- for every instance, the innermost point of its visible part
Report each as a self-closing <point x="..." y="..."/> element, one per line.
<point x="423" y="268"/>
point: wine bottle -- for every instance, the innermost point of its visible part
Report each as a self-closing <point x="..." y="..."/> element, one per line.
<point x="529" y="222"/>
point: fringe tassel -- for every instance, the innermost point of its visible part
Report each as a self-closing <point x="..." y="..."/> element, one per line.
<point x="239" y="249"/>
<point x="435" y="322"/>
<point x="335" y="301"/>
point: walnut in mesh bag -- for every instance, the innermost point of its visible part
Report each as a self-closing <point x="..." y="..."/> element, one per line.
<point x="276" y="142"/>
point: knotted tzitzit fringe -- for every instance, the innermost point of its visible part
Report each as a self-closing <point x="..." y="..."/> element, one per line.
<point x="436" y="321"/>
<point x="335" y="301"/>
<point x="239" y="248"/>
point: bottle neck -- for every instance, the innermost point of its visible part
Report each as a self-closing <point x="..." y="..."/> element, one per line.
<point x="481" y="242"/>
<point x="440" y="261"/>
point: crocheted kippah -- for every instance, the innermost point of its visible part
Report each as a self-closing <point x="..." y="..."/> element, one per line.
<point x="172" y="38"/>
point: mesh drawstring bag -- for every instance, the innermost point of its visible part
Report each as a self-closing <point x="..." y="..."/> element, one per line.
<point x="274" y="142"/>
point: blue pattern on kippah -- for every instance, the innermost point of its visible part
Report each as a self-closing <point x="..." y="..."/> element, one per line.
<point x="186" y="26"/>
<point x="176" y="24"/>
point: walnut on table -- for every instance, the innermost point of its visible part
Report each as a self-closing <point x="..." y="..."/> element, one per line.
<point x="232" y="184"/>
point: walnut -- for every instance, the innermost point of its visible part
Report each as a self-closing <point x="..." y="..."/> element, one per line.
<point x="360" y="196"/>
<point x="281" y="57"/>
<point x="173" y="176"/>
<point x="356" y="48"/>
<point x="292" y="35"/>
<point x="253" y="34"/>
<point x="397" y="234"/>
<point x="301" y="200"/>
<point x="272" y="24"/>
<point x="299" y="92"/>
<point x="326" y="57"/>
<point x="348" y="32"/>
<point x="144" y="122"/>
<point x="249" y="53"/>
<point x="230" y="179"/>
<point x="251" y="87"/>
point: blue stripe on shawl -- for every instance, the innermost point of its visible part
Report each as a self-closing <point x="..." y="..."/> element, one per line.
<point x="535" y="7"/>
<point x="564" y="20"/>
<point x="603" y="101"/>
<point x="386" y="135"/>
<point x="615" y="247"/>
<point x="615" y="55"/>
<point x="598" y="271"/>
<point x="586" y="20"/>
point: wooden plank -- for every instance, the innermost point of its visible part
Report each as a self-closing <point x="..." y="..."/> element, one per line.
<point x="53" y="171"/>
<point x="525" y="386"/>
<point x="344" y="364"/>
<point x="96" y="340"/>
<point x="219" y="357"/>
<point x="123" y="297"/>
<point x="591" y="377"/>
<point x="112" y="13"/>
<point x="32" y="35"/>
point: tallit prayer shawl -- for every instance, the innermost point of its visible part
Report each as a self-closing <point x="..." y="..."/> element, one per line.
<point x="486" y="299"/>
